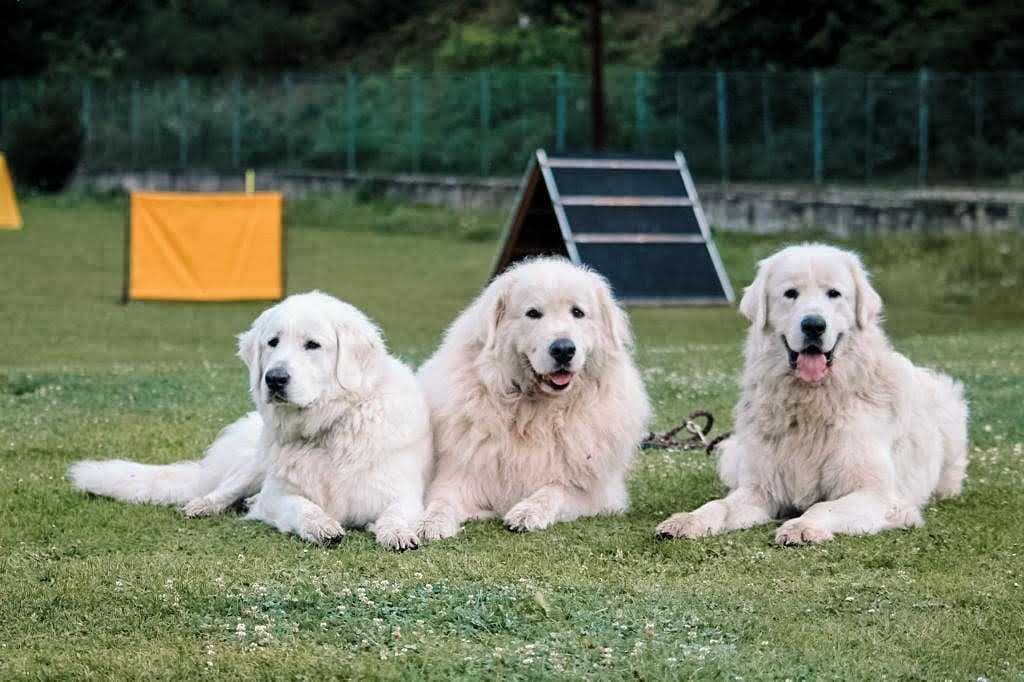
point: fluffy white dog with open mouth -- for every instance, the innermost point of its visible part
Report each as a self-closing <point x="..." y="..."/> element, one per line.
<point x="832" y="422"/>
<point x="340" y="437"/>
<point x="537" y="407"/>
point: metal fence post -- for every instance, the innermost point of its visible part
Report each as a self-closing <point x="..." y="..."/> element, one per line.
<point x="485" y="122"/>
<point x="289" y="118"/>
<point x="640" y="106"/>
<point x="979" y="131"/>
<point x="3" y="107"/>
<point x="236" y="123"/>
<point x="183" y="129"/>
<point x="560" y="111"/>
<point x="723" y="126"/>
<point x="680" y="130"/>
<point x="869" y="125"/>
<point x="351" y="120"/>
<point x="86" y="116"/>
<point x="766" y="124"/>
<point x="922" y="127"/>
<point x="524" y="127"/>
<point x="416" y="116"/>
<point x="382" y="101"/>
<point x="136" y="123"/>
<point x="819" y="128"/>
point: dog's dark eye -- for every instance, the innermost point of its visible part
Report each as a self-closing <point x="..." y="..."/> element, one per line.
<point x="273" y="342"/>
<point x="577" y="312"/>
<point x="834" y="293"/>
<point x="311" y="345"/>
<point x="534" y="314"/>
<point x="791" y="293"/>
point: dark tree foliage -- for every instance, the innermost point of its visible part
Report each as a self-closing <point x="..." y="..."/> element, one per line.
<point x="46" y="142"/>
<point x="104" y="38"/>
<point x="113" y="38"/>
<point x="877" y="35"/>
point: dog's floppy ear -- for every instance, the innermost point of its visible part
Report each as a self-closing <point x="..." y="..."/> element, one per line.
<point x="249" y="347"/>
<point x="613" y="317"/>
<point x="754" y="304"/>
<point x="868" y="303"/>
<point x="493" y="306"/>
<point x="359" y="342"/>
<point x="479" y="327"/>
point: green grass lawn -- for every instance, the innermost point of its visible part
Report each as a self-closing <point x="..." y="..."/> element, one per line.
<point x="90" y="587"/>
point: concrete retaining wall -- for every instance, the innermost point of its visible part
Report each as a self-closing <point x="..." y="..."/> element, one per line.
<point x="436" y="190"/>
<point x="845" y="211"/>
<point x="749" y="208"/>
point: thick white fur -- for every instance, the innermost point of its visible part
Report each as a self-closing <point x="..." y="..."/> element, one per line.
<point x="505" y="443"/>
<point x="859" y="452"/>
<point x="348" y="445"/>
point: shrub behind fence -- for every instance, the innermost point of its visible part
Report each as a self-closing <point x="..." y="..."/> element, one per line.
<point x="818" y="127"/>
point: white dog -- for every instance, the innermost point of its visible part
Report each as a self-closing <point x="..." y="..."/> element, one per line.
<point x="832" y="422"/>
<point x="536" y="405"/>
<point x="341" y="436"/>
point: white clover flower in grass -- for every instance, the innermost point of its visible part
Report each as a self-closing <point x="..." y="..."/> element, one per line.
<point x="263" y="634"/>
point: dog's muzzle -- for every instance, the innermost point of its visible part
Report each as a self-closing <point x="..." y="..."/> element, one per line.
<point x="812" y="363"/>
<point x="277" y="380"/>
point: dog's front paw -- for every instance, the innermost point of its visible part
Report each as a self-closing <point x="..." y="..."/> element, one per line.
<point x="682" y="525"/>
<point x="202" y="506"/>
<point x="905" y="517"/>
<point x="323" y="531"/>
<point x="437" y="526"/>
<point x="800" y="532"/>
<point x="528" y="515"/>
<point x="398" y="538"/>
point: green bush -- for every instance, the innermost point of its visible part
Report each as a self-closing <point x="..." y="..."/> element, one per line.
<point x="46" y="143"/>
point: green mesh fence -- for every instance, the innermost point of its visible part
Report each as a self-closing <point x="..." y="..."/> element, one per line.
<point x="916" y="128"/>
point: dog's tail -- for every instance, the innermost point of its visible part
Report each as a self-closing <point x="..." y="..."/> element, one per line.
<point x="178" y="483"/>
<point x="134" y="482"/>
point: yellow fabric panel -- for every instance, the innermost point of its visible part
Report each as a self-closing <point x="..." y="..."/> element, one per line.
<point x="10" y="218"/>
<point x="205" y="247"/>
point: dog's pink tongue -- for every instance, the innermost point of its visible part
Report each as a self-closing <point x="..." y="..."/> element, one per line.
<point x="560" y="378"/>
<point x="811" y="368"/>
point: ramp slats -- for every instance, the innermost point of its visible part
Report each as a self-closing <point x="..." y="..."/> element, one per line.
<point x="637" y="221"/>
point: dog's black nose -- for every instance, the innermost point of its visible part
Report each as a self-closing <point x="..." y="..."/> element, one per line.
<point x="277" y="379"/>
<point x="813" y="326"/>
<point x="562" y="350"/>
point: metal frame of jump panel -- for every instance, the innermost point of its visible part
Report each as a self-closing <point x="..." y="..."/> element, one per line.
<point x="638" y="222"/>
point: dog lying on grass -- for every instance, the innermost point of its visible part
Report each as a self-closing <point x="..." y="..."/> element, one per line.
<point x="340" y="436"/>
<point x="536" y="404"/>
<point x="832" y="423"/>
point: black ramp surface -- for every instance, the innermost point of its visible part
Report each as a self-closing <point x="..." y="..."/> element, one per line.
<point x="649" y="271"/>
<point x="619" y="183"/>
<point x="632" y="219"/>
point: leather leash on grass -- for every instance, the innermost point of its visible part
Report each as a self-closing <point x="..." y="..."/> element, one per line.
<point x="699" y="439"/>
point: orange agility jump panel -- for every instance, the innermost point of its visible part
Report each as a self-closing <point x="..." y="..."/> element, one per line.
<point x="205" y="247"/>
<point x="10" y="218"/>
